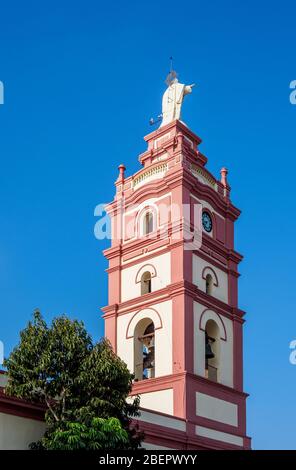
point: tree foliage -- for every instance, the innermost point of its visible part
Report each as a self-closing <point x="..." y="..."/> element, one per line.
<point x="79" y="383"/>
<point x="99" y="434"/>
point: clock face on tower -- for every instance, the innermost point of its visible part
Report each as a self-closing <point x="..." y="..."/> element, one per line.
<point x="207" y="222"/>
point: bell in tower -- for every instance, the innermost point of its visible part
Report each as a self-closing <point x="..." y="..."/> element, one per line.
<point x="208" y="350"/>
<point x="148" y="351"/>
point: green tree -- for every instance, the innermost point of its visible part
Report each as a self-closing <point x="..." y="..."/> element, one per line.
<point x="78" y="382"/>
<point x="97" y="435"/>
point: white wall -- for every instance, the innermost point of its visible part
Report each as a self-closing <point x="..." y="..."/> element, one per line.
<point x="162" y="420"/>
<point x="163" y="337"/>
<point x="130" y="289"/>
<point x="225" y="374"/>
<point x="220" y="292"/>
<point x="216" y="409"/>
<point x="219" y="436"/>
<point x="16" y="433"/>
<point x="162" y="401"/>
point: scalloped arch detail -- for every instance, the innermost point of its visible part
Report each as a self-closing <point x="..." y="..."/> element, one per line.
<point x="138" y="316"/>
<point x="143" y="269"/>
<point x="208" y="270"/>
<point x="211" y="315"/>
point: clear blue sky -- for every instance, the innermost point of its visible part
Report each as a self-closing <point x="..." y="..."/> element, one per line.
<point x="81" y="81"/>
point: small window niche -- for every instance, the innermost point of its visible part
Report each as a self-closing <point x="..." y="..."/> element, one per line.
<point x="146" y="283"/>
<point x="148" y="223"/>
<point x="212" y="351"/>
<point x="209" y="284"/>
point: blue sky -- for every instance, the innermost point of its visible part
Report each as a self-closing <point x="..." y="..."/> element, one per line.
<point x="81" y="81"/>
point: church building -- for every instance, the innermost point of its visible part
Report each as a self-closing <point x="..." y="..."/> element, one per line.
<point x="173" y="313"/>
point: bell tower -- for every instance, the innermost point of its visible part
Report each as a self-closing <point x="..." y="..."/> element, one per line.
<point x="172" y="312"/>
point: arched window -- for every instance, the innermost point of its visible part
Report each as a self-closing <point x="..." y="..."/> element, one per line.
<point x="212" y="351"/>
<point x="146" y="283"/>
<point x="209" y="284"/>
<point x="144" y="350"/>
<point x="211" y="280"/>
<point x="148" y="223"/>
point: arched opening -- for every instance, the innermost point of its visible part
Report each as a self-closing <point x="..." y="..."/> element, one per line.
<point x="212" y="351"/>
<point x="144" y="350"/>
<point x="146" y="283"/>
<point x="148" y="223"/>
<point x="209" y="284"/>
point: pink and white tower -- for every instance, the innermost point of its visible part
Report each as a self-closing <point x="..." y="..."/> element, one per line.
<point x="172" y="312"/>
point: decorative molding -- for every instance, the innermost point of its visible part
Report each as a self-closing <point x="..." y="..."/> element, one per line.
<point x="157" y="383"/>
<point x="212" y="272"/>
<point x="180" y="176"/>
<point x="147" y="267"/>
<point x="154" y="316"/>
<point x="203" y="321"/>
<point x="204" y="174"/>
<point x="158" y="170"/>
<point x="18" y="407"/>
<point x="170" y="291"/>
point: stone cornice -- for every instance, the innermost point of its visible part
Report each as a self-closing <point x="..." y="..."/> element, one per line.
<point x="210" y="244"/>
<point x="158" y="383"/>
<point x="143" y="386"/>
<point x="168" y="293"/>
<point x="178" y="174"/>
<point x="209" y="247"/>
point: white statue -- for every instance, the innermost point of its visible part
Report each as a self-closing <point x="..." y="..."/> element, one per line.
<point x="173" y="98"/>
